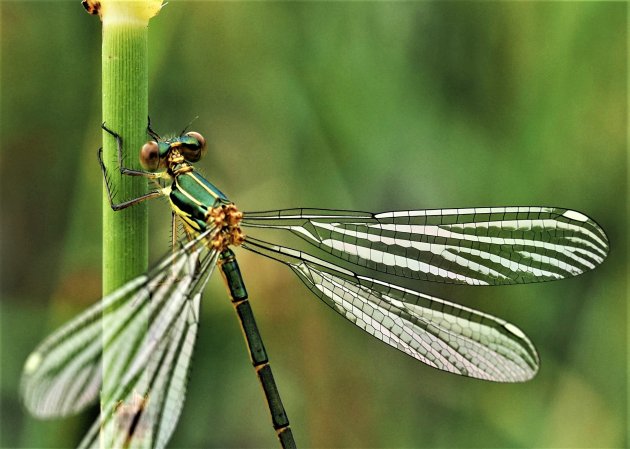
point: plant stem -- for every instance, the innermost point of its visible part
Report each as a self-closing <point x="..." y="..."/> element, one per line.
<point x="125" y="232"/>
<point x="125" y="111"/>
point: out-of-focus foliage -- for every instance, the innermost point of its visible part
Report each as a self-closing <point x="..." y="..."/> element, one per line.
<point x="357" y="105"/>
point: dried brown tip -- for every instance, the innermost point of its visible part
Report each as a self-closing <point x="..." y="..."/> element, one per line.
<point x="92" y="6"/>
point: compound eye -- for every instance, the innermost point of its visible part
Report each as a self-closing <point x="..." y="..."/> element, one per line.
<point x="196" y="153"/>
<point x="199" y="138"/>
<point x="150" y="156"/>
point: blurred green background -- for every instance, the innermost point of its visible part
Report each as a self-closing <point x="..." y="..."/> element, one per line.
<point x="350" y="105"/>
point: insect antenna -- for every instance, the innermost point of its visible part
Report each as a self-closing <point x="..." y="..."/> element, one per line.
<point x="150" y="131"/>
<point x="188" y="126"/>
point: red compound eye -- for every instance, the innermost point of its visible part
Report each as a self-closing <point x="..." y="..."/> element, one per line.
<point x="193" y="153"/>
<point x="150" y="156"/>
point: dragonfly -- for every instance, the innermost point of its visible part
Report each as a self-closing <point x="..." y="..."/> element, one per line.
<point x="364" y="257"/>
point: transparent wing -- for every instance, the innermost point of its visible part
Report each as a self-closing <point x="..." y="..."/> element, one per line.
<point x="439" y="333"/>
<point x="475" y="246"/>
<point x="148" y="329"/>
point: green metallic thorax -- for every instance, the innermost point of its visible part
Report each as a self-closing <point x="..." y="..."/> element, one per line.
<point x="191" y="195"/>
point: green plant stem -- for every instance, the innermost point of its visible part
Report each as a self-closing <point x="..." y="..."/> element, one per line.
<point x="125" y="110"/>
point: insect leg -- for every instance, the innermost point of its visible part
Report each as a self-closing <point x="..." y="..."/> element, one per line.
<point x="125" y="171"/>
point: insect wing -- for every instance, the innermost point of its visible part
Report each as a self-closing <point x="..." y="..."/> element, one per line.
<point x="148" y="329"/>
<point x="439" y="333"/>
<point x="475" y="246"/>
<point x="63" y="375"/>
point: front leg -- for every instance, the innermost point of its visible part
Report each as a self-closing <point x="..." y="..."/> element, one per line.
<point x="125" y="171"/>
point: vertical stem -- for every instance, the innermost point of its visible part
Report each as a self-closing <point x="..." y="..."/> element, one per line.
<point x="125" y="110"/>
<point x="125" y="233"/>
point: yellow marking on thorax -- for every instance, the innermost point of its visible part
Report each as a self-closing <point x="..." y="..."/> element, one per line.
<point x="206" y="188"/>
<point x="189" y="196"/>
<point x="192" y="224"/>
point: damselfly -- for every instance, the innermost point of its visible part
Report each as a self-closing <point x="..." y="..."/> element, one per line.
<point x="152" y="320"/>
